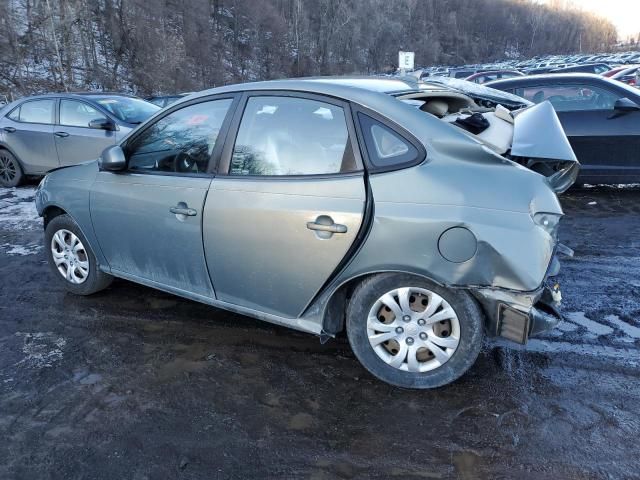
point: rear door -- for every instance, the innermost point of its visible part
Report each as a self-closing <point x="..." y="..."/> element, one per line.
<point x="75" y="141"/>
<point x="287" y="203"/>
<point x="148" y="219"/>
<point x="28" y="131"/>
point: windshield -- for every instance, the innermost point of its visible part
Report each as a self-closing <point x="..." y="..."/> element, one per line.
<point x="128" y="109"/>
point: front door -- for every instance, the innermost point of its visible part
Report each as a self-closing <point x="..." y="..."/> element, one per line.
<point x="148" y="219"/>
<point x="606" y="143"/>
<point x="289" y="206"/>
<point x="75" y="141"/>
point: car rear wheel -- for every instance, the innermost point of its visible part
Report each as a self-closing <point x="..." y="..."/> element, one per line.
<point x="413" y="333"/>
<point x="11" y="174"/>
<point x="71" y="258"/>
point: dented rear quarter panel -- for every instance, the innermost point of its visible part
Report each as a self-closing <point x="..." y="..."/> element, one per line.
<point x="495" y="201"/>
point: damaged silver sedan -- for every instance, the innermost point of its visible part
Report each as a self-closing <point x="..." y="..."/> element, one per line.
<point x="417" y="217"/>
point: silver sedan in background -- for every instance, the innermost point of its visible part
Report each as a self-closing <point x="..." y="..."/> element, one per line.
<point x="40" y="133"/>
<point x="408" y="214"/>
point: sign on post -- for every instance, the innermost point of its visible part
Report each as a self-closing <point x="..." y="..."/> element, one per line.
<point x="405" y="60"/>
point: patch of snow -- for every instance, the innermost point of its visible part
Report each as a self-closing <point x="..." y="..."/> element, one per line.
<point x="566" y="326"/>
<point x="629" y="356"/>
<point x="592" y="203"/>
<point x="630" y="330"/>
<point x="594" y="328"/>
<point x="21" y="249"/>
<point x="18" y="209"/>
<point x="41" y="349"/>
<point x="613" y="185"/>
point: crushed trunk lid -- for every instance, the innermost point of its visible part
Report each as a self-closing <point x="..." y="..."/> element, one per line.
<point x="539" y="140"/>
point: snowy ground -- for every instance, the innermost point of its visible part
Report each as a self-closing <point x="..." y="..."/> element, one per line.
<point x="135" y="383"/>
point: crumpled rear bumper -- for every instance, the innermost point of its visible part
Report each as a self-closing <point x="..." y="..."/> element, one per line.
<point x="517" y="315"/>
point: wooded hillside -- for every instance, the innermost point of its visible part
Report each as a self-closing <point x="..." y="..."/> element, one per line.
<point x="162" y="46"/>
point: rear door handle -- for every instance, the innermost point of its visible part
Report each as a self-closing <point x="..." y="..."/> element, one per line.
<point x="189" y="212"/>
<point x="61" y="134"/>
<point x="9" y="129"/>
<point x="331" y="228"/>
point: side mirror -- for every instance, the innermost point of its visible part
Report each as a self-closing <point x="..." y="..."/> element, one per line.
<point x="625" y="105"/>
<point x="112" y="159"/>
<point x="102" y="124"/>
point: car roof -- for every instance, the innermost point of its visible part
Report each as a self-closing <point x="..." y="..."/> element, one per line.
<point x="76" y="95"/>
<point x="350" y="88"/>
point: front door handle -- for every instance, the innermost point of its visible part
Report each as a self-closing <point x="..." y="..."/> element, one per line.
<point x="325" y="223"/>
<point x="189" y="212"/>
<point x="9" y="129"/>
<point x="61" y="134"/>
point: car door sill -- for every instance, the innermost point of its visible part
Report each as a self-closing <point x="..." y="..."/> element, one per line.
<point x="295" y="323"/>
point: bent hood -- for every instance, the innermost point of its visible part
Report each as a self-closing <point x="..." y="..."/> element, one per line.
<point x="539" y="137"/>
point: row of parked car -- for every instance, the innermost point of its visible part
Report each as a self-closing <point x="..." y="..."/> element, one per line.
<point x="582" y="63"/>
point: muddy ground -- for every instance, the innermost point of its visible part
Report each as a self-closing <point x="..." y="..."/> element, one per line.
<point x="136" y="384"/>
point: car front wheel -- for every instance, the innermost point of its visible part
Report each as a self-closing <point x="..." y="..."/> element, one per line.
<point x="413" y="333"/>
<point x="71" y="258"/>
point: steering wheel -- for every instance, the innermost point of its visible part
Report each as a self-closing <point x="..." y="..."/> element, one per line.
<point x="185" y="163"/>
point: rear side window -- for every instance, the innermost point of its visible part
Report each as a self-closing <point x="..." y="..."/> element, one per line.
<point x="292" y="136"/>
<point x="37" y="111"/>
<point x="385" y="147"/>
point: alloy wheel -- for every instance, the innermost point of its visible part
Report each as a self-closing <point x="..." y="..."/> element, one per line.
<point x="413" y="329"/>
<point x="70" y="256"/>
<point x="8" y="168"/>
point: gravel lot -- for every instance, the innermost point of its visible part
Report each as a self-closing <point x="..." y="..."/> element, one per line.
<point x="132" y="383"/>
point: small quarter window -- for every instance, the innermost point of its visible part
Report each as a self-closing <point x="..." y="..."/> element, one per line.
<point x="15" y="115"/>
<point x="386" y="148"/>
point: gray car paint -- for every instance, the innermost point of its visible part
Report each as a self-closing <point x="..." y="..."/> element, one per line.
<point x="461" y="184"/>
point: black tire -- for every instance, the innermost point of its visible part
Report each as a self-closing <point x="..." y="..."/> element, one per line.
<point x="469" y="315"/>
<point x="11" y="174"/>
<point x="96" y="280"/>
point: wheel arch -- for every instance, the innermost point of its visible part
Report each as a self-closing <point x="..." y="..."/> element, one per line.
<point x="333" y="308"/>
<point x="52" y="211"/>
<point x="4" y="146"/>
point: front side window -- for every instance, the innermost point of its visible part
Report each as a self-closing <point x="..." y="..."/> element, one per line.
<point x="37" y="111"/>
<point x="292" y="136"/>
<point x="569" y="98"/>
<point x="181" y="142"/>
<point x="385" y="147"/>
<point x="78" y="114"/>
